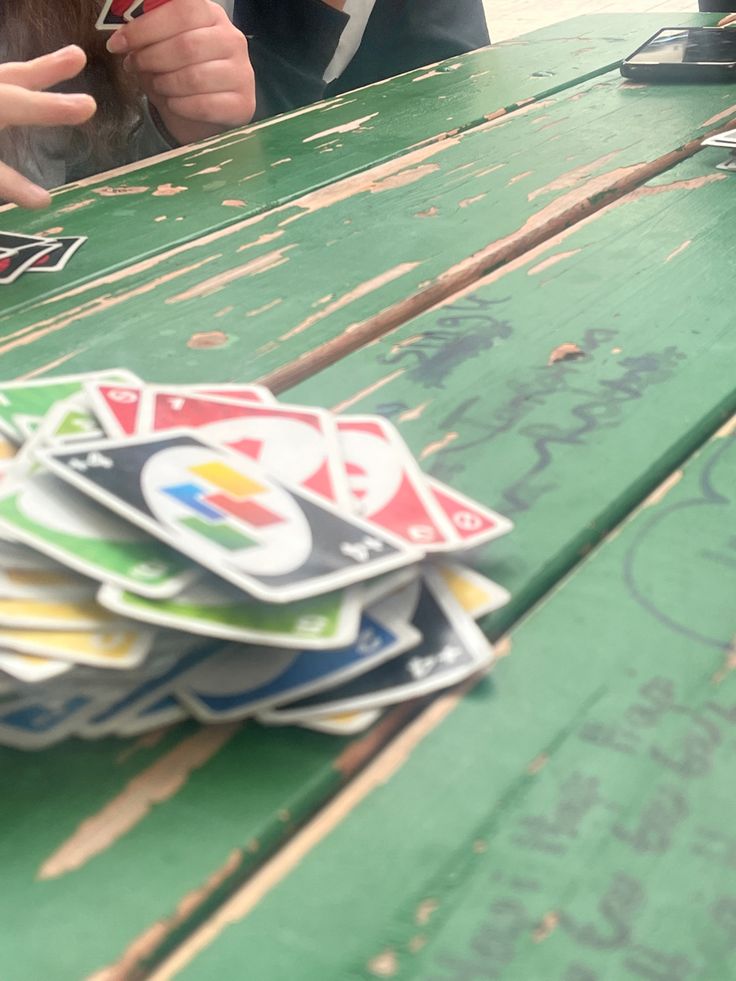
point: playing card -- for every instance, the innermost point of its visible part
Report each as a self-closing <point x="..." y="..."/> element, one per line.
<point x="33" y="399"/>
<point x="473" y="523"/>
<point x="387" y="485"/>
<point x="239" y="682"/>
<point x="118" y="407"/>
<point x="35" y="721"/>
<point x="8" y="450"/>
<point x="115" y="406"/>
<point x="138" y="691"/>
<point x="452" y="649"/>
<point x="12" y="241"/>
<point x="141" y="7"/>
<point x="56" y="260"/>
<point x="39" y="510"/>
<point x="50" y="584"/>
<point x="220" y="509"/>
<point x="119" y="646"/>
<point x="114" y="14"/>
<point x="727" y="139"/>
<point x="225" y="390"/>
<point x="70" y="421"/>
<point x="32" y="670"/>
<point x="14" y="555"/>
<point x="346" y="724"/>
<point x="342" y="724"/>
<point x="390" y="583"/>
<point x="164" y="713"/>
<point x="214" y="608"/>
<point x="293" y="443"/>
<point x="45" y="614"/>
<point x="14" y="264"/>
<point x="477" y="595"/>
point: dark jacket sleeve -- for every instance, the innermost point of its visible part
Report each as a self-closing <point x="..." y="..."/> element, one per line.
<point x="406" y="34"/>
<point x="292" y="42"/>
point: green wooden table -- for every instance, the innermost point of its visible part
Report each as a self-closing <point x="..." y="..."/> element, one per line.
<point x="526" y="263"/>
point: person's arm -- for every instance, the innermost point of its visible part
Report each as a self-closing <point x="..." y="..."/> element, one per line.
<point x="24" y="103"/>
<point x="292" y="42"/>
<point x="407" y="34"/>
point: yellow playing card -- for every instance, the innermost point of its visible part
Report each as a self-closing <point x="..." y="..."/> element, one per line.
<point x="477" y="595"/>
<point x="124" y="647"/>
<point x="42" y="614"/>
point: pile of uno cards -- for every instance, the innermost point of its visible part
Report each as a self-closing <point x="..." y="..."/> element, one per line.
<point x="21" y="254"/>
<point x="117" y="13"/>
<point x="209" y="551"/>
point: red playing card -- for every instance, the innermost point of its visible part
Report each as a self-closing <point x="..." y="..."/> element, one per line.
<point x="114" y="14"/>
<point x="388" y="485"/>
<point x="234" y="393"/>
<point x="473" y="523"/>
<point x="116" y="407"/>
<point x="141" y="7"/>
<point x="295" y="444"/>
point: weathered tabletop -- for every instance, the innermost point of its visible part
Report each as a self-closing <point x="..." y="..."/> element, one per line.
<point x="565" y="819"/>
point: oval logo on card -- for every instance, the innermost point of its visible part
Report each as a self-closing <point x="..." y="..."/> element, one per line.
<point x="226" y="509"/>
<point x="374" y="473"/>
<point x="289" y="449"/>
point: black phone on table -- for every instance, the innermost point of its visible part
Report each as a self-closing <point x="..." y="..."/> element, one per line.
<point x="685" y="54"/>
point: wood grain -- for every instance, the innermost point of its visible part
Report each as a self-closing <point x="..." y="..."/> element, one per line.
<point x="565" y="820"/>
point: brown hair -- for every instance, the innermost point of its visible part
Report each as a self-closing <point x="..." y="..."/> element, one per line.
<point x="29" y="28"/>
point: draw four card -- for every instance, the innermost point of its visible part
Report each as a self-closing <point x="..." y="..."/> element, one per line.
<point x="220" y="509"/>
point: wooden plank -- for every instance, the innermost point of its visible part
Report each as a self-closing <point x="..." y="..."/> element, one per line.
<point x="113" y="849"/>
<point x="250" y="298"/>
<point x="566" y="440"/>
<point x="566" y="820"/>
<point x="194" y="873"/>
<point x="608" y="427"/>
<point x="137" y="211"/>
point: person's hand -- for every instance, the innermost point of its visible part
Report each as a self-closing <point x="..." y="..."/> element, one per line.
<point x="193" y="65"/>
<point x="731" y="19"/>
<point x="24" y="103"/>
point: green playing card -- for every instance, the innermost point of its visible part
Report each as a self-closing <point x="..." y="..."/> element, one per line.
<point x="216" y="609"/>
<point x="24" y="403"/>
<point x="39" y="511"/>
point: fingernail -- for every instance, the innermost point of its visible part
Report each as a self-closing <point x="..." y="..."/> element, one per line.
<point x="118" y="43"/>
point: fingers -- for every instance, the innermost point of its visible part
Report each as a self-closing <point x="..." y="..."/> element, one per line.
<point x="191" y="48"/>
<point x="205" y="79"/>
<point x="21" y="107"/>
<point x="19" y="190"/>
<point x="731" y="19"/>
<point x="176" y="17"/>
<point x="225" y="109"/>
<point x="42" y="73"/>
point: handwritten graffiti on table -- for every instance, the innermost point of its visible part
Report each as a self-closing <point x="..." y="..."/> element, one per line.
<point x="465" y="329"/>
<point x="699" y="537"/>
<point x="585" y="406"/>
